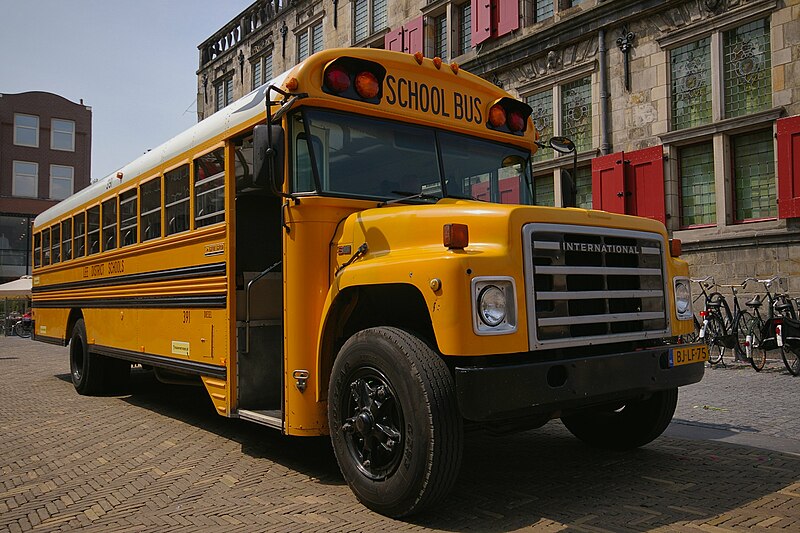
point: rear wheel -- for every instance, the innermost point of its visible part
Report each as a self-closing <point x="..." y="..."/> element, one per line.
<point x="742" y="320"/>
<point x="791" y="358"/>
<point x="714" y="331"/>
<point x="625" y="425"/>
<point x="394" y="421"/>
<point x="758" y="354"/>
<point x="93" y="373"/>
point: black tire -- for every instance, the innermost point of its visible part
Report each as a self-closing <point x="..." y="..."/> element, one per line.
<point x="758" y="355"/>
<point x="742" y="321"/>
<point x="715" y="329"/>
<point x="86" y="368"/>
<point x="625" y="425"/>
<point x="791" y="358"/>
<point x="394" y="421"/>
<point x="21" y="331"/>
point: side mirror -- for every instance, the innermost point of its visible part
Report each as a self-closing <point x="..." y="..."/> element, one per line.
<point x="268" y="154"/>
<point x="563" y="145"/>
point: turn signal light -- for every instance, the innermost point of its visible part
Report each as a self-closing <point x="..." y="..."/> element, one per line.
<point x="675" y="247"/>
<point x="455" y="236"/>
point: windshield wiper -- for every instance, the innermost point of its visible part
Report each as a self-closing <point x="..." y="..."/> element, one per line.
<point x="408" y="195"/>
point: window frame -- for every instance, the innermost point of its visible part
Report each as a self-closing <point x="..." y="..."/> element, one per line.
<point x="35" y="128"/>
<point x="71" y="180"/>
<point x="156" y="210"/>
<point x="54" y="131"/>
<point x="15" y="174"/>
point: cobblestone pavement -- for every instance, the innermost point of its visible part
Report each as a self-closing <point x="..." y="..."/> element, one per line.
<point x="159" y="459"/>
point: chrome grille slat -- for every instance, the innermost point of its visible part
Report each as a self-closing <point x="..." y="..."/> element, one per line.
<point x="593" y="285"/>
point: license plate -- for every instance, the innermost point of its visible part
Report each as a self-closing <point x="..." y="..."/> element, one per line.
<point x="684" y="355"/>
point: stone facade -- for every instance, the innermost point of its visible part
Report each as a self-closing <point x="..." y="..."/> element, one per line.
<point x="624" y="50"/>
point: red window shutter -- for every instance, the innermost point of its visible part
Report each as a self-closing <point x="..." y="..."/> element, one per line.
<point x="509" y="190"/>
<point x="507" y="16"/>
<point x="480" y="191"/>
<point x="608" y="183"/>
<point x="412" y="36"/>
<point x="394" y="40"/>
<point x="645" y="178"/>
<point x="789" y="167"/>
<point x="481" y="12"/>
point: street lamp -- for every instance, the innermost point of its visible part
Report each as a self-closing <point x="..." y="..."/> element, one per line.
<point x="564" y="145"/>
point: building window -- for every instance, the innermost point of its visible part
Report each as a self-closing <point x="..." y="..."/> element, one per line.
<point x="309" y="41"/>
<point x="26" y="179"/>
<point x="748" y="82"/>
<point x="369" y="16"/>
<point x="698" y="194"/>
<point x="224" y="93"/>
<point x="544" y="190"/>
<point x="542" y="105"/>
<point x="754" y="175"/>
<point x="440" y="36"/>
<point x="576" y="113"/>
<point x="15" y="246"/>
<point x="61" y="181"/>
<point x="262" y="70"/>
<point x="464" y="34"/>
<point x="691" y="84"/>
<point x="62" y="135"/>
<point x="26" y="130"/>
<point x="544" y="10"/>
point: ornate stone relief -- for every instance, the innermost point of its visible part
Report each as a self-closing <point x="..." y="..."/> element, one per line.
<point x="553" y="64"/>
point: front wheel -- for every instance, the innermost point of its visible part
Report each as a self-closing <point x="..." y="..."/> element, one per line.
<point x="714" y="331"/>
<point x="21" y="331"/>
<point x="758" y="354"/>
<point x="394" y="421"/>
<point x="791" y="358"/>
<point x="625" y="425"/>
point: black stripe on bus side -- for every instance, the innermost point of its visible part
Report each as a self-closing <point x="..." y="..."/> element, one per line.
<point x="155" y="302"/>
<point x="216" y="269"/>
<point x="49" y="340"/>
<point x="169" y="363"/>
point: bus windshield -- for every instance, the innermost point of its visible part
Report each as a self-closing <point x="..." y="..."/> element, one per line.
<point x="337" y="154"/>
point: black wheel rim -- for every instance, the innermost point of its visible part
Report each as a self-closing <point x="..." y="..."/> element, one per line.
<point x="372" y="423"/>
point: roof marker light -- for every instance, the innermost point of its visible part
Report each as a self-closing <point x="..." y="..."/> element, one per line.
<point x="419" y="57"/>
<point x="454" y="67"/>
<point x="292" y="84"/>
<point x="437" y="62"/>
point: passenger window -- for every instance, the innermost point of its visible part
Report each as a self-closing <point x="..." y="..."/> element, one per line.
<point x="151" y="209"/>
<point x="55" y="233"/>
<point x="127" y="218"/>
<point x="37" y="250"/>
<point x="79" y="225"/>
<point x="209" y="188"/>
<point x="93" y="224"/>
<point x="176" y="188"/>
<point x="110" y="224"/>
<point x="46" y="247"/>
<point x="66" y="239"/>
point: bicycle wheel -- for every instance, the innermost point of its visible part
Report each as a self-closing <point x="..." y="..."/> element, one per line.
<point x="758" y="355"/>
<point x="742" y="320"/>
<point x="791" y="358"/>
<point x="715" y="329"/>
<point x="22" y="331"/>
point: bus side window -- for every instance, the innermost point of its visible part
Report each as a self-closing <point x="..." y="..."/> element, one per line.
<point x="176" y="188"/>
<point x="79" y="227"/>
<point x="151" y="209"/>
<point x="93" y="223"/>
<point x="109" y="240"/>
<point x="127" y="218"/>
<point x="37" y="249"/>
<point x="209" y="188"/>
<point x="55" y="241"/>
<point x="66" y="239"/>
<point x="46" y="247"/>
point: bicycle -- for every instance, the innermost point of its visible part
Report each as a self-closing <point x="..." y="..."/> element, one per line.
<point x="761" y="334"/>
<point x="736" y="321"/>
<point x="23" y="328"/>
<point x="787" y="335"/>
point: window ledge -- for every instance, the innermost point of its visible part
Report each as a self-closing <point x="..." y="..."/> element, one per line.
<point x="737" y="235"/>
<point x="746" y="122"/>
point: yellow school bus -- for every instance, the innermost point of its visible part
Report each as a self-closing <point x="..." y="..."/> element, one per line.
<point x="354" y="250"/>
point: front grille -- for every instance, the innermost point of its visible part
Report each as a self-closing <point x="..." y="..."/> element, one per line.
<point x="588" y="285"/>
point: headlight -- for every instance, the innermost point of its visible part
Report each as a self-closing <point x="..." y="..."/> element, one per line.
<point x="492" y="306"/>
<point x="683" y="299"/>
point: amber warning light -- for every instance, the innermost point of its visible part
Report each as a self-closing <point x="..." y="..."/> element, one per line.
<point x="509" y="116"/>
<point x="455" y="236"/>
<point x="355" y="79"/>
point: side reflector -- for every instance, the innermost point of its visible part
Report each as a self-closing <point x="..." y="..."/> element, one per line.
<point x="455" y="236"/>
<point x="675" y="248"/>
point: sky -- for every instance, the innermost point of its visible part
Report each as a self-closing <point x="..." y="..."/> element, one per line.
<point x="134" y="62"/>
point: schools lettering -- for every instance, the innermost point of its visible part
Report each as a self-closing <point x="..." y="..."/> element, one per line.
<point x="410" y="94"/>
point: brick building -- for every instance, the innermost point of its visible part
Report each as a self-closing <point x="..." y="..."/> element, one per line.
<point x="686" y="111"/>
<point x="45" y="156"/>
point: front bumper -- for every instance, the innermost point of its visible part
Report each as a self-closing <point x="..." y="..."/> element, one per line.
<point x="494" y="393"/>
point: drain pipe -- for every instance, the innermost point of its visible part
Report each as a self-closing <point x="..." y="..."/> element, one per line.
<point x="605" y="145"/>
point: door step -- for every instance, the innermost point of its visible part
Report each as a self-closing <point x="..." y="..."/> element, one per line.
<point x="273" y="419"/>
